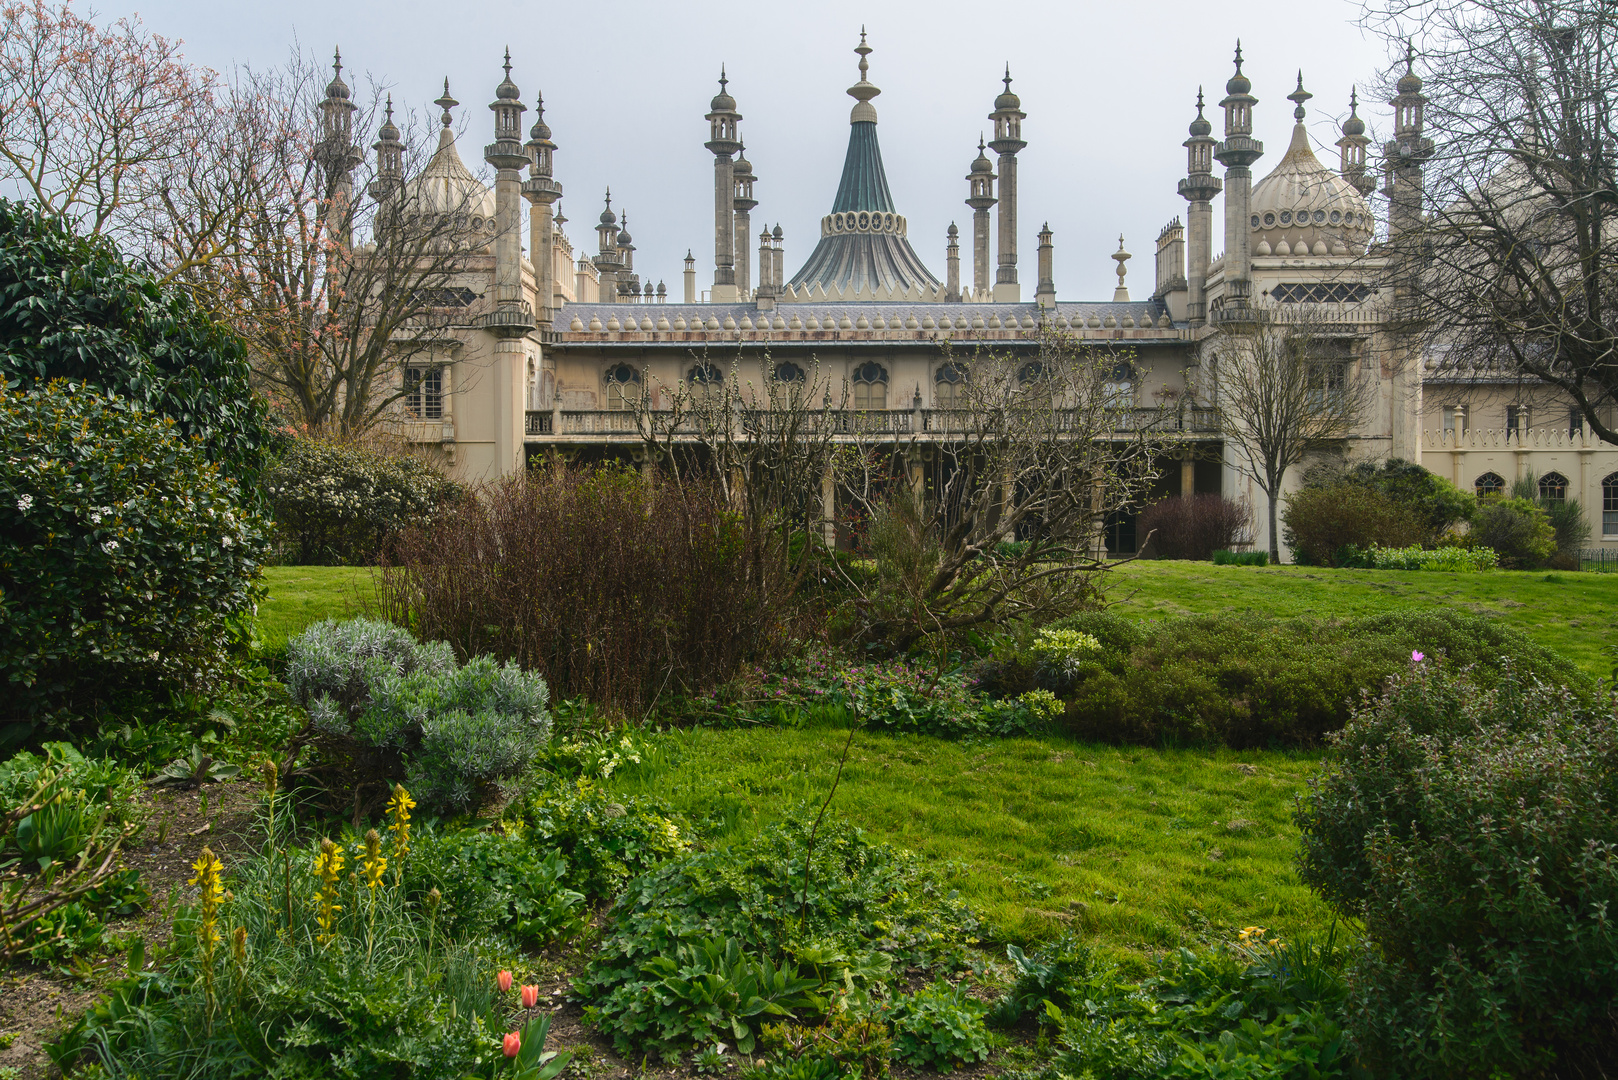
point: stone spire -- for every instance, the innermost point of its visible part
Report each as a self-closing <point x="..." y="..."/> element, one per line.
<point x="337" y="154"/>
<point x="512" y="317"/>
<point x="980" y="197"/>
<point x="606" y="262"/>
<point x="541" y="190"/>
<point x="765" y="293"/>
<point x="863" y="91"/>
<point x="723" y="142"/>
<point x="389" y="160"/>
<point x="690" y="277"/>
<point x="1237" y="153"/>
<point x="1045" y="291"/>
<point x="1120" y="295"/>
<point x="628" y="280"/>
<point x="1008" y="117"/>
<point x="1405" y="156"/>
<point x="1351" y="148"/>
<point x="952" y="266"/>
<point x="742" y="201"/>
<point x="1198" y="189"/>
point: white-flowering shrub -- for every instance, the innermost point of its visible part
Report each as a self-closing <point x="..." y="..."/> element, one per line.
<point x="1445" y="558"/>
<point x="448" y="731"/>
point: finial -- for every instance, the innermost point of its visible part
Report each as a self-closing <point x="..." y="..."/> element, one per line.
<point x="1007" y="79"/>
<point x="1353" y="101"/>
<point x="609" y="198"/>
<point x="1410" y="56"/>
<point x="388" y="108"/>
<point x="1300" y="95"/>
<point x="446" y="103"/>
<point x="723" y="82"/>
<point x="1238" y="55"/>
<point x="1199" y="103"/>
<point x="508" y="61"/>
<point x="337" y="60"/>
<point x="981" y="144"/>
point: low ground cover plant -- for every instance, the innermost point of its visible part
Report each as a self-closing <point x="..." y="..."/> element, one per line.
<point x="1472" y="829"/>
<point x="1452" y="559"/>
<point x="338" y="505"/>
<point x="385" y="709"/>
<point x="1241" y="558"/>
<point x="606" y="839"/>
<point x="712" y="945"/>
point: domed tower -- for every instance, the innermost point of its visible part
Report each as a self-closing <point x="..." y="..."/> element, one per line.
<point x="1008" y="117"/>
<point x="541" y="190"/>
<point x="723" y="142"/>
<point x="980" y="197"/>
<point x="1351" y="149"/>
<point x="1404" y="157"/>
<point x="389" y="176"/>
<point x="1198" y="189"/>
<point x="628" y="280"/>
<point x="606" y="262"/>
<point x="512" y="316"/>
<point x="337" y="155"/>
<point x="863" y="242"/>
<point x="743" y="202"/>
<point x="952" y="265"/>
<point x="1238" y="153"/>
<point x="1304" y="209"/>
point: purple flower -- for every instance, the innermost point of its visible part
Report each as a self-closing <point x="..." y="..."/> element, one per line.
<point x="1417" y="657"/>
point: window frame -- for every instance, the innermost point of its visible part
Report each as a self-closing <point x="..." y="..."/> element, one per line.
<point x="424" y="392"/>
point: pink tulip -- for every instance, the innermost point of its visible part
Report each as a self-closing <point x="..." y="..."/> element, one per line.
<point x="511" y="1043"/>
<point x="530" y="996"/>
<point x="503" y="981"/>
<point x="1416" y="657"/>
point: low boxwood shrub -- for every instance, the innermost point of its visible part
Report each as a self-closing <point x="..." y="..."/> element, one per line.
<point x="338" y="505"/>
<point x="384" y="709"/>
<point x="1241" y="558"/>
<point x="1249" y="680"/>
<point x="127" y="559"/>
<point x="689" y="936"/>
<point x="1472" y="830"/>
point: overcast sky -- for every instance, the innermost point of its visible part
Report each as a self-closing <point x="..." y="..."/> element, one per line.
<point x="1108" y="88"/>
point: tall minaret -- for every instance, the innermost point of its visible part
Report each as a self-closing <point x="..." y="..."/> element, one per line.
<point x="952" y="266"/>
<point x="766" y="266"/>
<point x="741" y="174"/>
<point x="389" y="179"/>
<point x="1199" y="188"/>
<point x="628" y="280"/>
<point x="981" y="179"/>
<point x="778" y="257"/>
<point x="1407" y="153"/>
<point x="690" y="277"/>
<point x="722" y="120"/>
<point x="512" y="319"/>
<point x="338" y="155"/>
<point x="1237" y="153"/>
<point x="1008" y="117"/>
<point x="1045" y="291"/>
<point x="606" y="262"/>
<point x="1351" y="149"/>
<point x="541" y="190"/>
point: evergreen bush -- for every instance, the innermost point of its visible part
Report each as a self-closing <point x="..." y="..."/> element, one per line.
<point x="1519" y="531"/>
<point x="127" y="559"/>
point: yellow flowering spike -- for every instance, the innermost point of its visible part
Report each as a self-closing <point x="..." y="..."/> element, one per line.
<point x="399" y="807"/>
<point x="329" y="869"/>
<point x="373" y="864"/>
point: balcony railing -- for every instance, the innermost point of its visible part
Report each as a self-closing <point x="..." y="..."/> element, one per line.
<point x="620" y="424"/>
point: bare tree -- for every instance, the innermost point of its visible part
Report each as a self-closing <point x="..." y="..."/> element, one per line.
<point x="1283" y="389"/>
<point x="1510" y="273"/>
<point x="997" y="511"/>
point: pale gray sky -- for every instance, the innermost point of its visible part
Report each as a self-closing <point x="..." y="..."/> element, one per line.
<point x="1108" y="88"/>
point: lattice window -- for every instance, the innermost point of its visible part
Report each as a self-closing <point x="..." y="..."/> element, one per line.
<point x="1553" y="487"/>
<point x="1320" y="293"/>
<point x="424" y="393"/>
<point x="870" y="387"/>
<point x="1490" y="483"/>
<point x="623" y="387"/>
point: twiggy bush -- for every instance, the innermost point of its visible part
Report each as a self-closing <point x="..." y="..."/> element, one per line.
<point x="1197" y="527"/>
<point x="1473" y="831"/>
<point x="616" y="589"/>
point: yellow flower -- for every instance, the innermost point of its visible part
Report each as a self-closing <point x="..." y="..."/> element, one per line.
<point x="373" y="864"/>
<point x="1251" y="935"/>
<point x="329" y="869"/>
<point x="211" y="885"/>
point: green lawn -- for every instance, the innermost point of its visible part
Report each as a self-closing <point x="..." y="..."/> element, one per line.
<point x="1574" y="613"/>
<point x="1143" y="849"/>
<point x="300" y="595"/>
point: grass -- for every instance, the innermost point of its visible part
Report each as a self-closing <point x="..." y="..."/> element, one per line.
<point x="300" y="595"/>
<point x="1142" y="849"/>
<point x="1574" y="613"/>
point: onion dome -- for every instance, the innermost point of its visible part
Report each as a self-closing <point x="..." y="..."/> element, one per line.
<point x="337" y="88"/>
<point x="722" y="102"/>
<point x="982" y="164"/>
<point x="778" y="234"/>
<point x="1007" y="100"/>
<point x="507" y="90"/>
<point x="1302" y="207"/>
<point x="1353" y="125"/>
<point x="624" y="239"/>
<point x="607" y="216"/>
<point x="1200" y="126"/>
<point x="389" y="131"/>
<point x="1239" y="83"/>
<point x="446" y="185"/>
<point x="540" y="130"/>
<point x="742" y="169"/>
<point x="1410" y="82"/>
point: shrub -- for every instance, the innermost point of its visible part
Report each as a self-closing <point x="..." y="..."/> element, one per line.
<point x="605" y="842"/>
<point x="1248" y="680"/>
<point x="1472" y="830"/>
<point x="1195" y="527"/>
<point x="939" y="1027"/>
<point x="493" y="884"/>
<point x="742" y="917"/>
<point x="1453" y="559"/>
<point x="613" y="588"/>
<point x="383" y="709"/>
<point x="1519" y="531"/>
<point x="1430" y="499"/>
<point x="126" y="557"/>
<point x="1241" y="558"/>
<point x="1321" y="521"/>
<point x="338" y="505"/>
<point x="74" y="310"/>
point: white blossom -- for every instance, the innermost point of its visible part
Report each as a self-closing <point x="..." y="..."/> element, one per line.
<point x="25" y="503"/>
<point x="110" y="546"/>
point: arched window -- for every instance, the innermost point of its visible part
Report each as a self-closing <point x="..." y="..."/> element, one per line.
<point x="707" y="382"/>
<point x="949" y="385"/>
<point x="1032" y="371"/>
<point x="1609" y="505"/>
<point x="788" y="373"/>
<point x="623" y="387"/>
<point x="1553" y="486"/>
<point x="1118" y="389"/>
<point x="870" y="387"/>
<point x="1490" y="483"/>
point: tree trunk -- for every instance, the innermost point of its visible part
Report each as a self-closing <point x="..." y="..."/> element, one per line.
<point x="1275" y="539"/>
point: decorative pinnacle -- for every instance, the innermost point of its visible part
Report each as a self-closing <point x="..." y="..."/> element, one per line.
<point x="1007" y="79"/>
<point x="723" y="82"/>
<point x="337" y="61"/>
<point x="1123" y="257"/>
<point x="1300" y="95"/>
<point x="1410" y="57"/>
<point x="389" y="110"/>
<point x="1238" y="55"/>
<point x="1353" y="101"/>
<point x="1199" y="103"/>
<point x="446" y="103"/>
